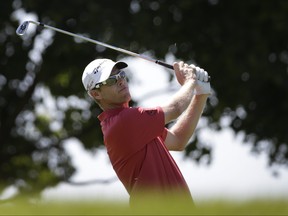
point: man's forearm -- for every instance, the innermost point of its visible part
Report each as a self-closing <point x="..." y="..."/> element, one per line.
<point x="180" y="101"/>
<point x="184" y="127"/>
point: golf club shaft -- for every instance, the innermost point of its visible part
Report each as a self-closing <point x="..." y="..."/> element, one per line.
<point x="23" y="27"/>
<point x="102" y="44"/>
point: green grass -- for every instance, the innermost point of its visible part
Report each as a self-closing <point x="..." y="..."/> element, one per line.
<point x="147" y="207"/>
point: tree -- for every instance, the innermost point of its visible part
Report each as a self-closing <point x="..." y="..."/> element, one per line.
<point x="243" y="45"/>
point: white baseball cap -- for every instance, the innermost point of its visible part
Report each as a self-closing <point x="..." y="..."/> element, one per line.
<point x="98" y="71"/>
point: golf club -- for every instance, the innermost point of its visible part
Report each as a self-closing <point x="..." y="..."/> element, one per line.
<point x="24" y="26"/>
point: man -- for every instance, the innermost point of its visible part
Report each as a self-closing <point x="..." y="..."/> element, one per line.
<point x="136" y="139"/>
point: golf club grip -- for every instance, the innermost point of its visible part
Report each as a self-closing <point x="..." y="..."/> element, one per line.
<point x="164" y="64"/>
<point x="171" y="66"/>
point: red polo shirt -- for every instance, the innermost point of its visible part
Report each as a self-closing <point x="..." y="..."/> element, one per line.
<point x="134" y="138"/>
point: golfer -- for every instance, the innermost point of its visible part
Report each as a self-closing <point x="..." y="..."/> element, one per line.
<point x="137" y="141"/>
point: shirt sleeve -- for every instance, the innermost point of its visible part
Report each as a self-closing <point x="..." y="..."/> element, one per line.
<point x="164" y="134"/>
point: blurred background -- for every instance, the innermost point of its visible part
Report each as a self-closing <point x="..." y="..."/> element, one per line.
<point x="50" y="139"/>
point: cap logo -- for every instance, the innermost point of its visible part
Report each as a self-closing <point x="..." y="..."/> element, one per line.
<point x="96" y="70"/>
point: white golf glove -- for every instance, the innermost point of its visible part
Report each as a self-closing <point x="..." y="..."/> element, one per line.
<point x="202" y="85"/>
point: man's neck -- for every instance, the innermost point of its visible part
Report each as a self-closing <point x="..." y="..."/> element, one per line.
<point x="114" y="106"/>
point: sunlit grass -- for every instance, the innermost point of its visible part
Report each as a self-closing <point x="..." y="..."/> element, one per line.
<point x="151" y="206"/>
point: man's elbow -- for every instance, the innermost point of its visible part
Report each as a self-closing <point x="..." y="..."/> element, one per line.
<point x="178" y="147"/>
<point x="182" y="147"/>
<point x="175" y="141"/>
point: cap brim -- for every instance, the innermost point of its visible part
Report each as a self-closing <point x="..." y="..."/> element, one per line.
<point x="120" y="65"/>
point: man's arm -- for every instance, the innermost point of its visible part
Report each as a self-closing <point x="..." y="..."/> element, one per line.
<point x="180" y="101"/>
<point x="179" y="134"/>
<point x="186" y="103"/>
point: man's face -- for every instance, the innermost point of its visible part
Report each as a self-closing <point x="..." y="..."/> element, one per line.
<point x="116" y="94"/>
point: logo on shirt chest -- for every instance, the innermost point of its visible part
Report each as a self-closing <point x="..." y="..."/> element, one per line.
<point x="151" y="112"/>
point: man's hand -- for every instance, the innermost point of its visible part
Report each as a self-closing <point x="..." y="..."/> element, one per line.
<point x="202" y="85"/>
<point x="184" y="72"/>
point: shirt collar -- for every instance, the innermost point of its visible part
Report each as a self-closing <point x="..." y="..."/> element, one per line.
<point x="111" y="112"/>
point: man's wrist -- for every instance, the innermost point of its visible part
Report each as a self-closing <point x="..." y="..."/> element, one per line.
<point x="191" y="82"/>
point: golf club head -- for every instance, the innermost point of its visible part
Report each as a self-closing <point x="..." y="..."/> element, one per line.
<point x="22" y="28"/>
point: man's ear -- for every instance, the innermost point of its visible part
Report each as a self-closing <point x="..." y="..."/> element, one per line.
<point x="95" y="94"/>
